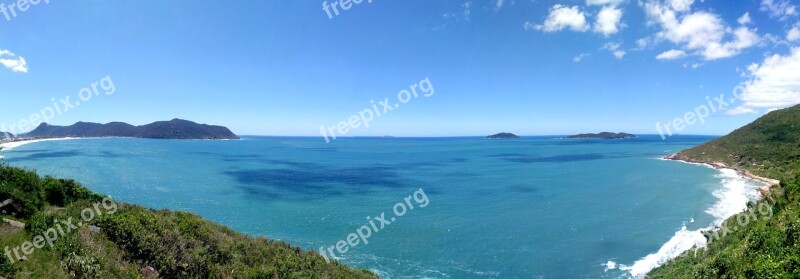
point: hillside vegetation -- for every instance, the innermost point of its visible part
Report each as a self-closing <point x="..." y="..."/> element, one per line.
<point x="128" y="241"/>
<point x="764" y="242"/>
<point x="770" y="146"/>
<point x="173" y="129"/>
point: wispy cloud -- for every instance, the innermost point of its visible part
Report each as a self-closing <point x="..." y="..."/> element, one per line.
<point x="615" y="49"/>
<point x="580" y="57"/>
<point x="671" y="54"/>
<point x="780" y="9"/>
<point x="13" y="62"/>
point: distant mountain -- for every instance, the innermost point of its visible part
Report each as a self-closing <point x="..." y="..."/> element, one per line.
<point x="6" y="135"/>
<point x="603" y="135"/>
<point x="503" y="136"/>
<point x="173" y="129"/>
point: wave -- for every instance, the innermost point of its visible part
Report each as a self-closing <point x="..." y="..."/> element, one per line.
<point x="733" y="197"/>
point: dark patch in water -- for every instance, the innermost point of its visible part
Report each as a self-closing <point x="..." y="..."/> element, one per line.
<point x="524" y="189"/>
<point x="31" y="151"/>
<point x="46" y="155"/>
<point x="521" y="158"/>
<point x="108" y="154"/>
<point x="316" y="181"/>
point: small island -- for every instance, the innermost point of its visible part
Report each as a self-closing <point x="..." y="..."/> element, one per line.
<point x="603" y="135"/>
<point x="173" y="129"/>
<point x="503" y="136"/>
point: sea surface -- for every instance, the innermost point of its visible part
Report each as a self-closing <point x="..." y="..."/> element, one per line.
<point x="540" y="207"/>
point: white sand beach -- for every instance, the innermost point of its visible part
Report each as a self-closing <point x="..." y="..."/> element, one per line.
<point x="14" y="144"/>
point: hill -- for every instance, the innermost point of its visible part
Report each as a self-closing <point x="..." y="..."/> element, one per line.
<point x="129" y="241"/>
<point x="770" y="146"/>
<point x="763" y="242"/>
<point x="173" y="129"/>
<point x="503" y="136"/>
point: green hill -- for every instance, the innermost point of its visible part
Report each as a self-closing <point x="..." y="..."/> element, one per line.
<point x="765" y="241"/>
<point x="770" y="146"/>
<point x="128" y="241"/>
<point x="173" y="129"/>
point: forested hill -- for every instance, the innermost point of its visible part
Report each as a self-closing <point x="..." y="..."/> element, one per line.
<point x="763" y="242"/>
<point x="173" y="129"/>
<point x="770" y="146"/>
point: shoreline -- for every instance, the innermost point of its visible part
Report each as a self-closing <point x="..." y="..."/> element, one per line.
<point x="684" y="240"/>
<point x="765" y="190"/>
<point x="14" y="144"/>
<point x="7" y="146"/>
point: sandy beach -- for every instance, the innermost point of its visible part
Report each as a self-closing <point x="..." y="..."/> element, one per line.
<point x="14" y="144"/>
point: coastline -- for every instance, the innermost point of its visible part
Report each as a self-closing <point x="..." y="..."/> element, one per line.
<point x="14" y="144"/>
<point x="685" y="239"/>
<point x="722" y="166"/>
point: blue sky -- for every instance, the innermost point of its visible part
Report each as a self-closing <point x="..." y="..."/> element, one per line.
<point x="286" y="68"/>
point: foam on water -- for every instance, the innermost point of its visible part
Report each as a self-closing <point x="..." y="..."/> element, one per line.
<point x="732" y="198"/>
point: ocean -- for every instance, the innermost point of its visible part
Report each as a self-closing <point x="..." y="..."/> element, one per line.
<point x="540" y="207"/>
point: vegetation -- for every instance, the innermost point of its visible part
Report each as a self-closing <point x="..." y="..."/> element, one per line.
<point x="770" y="146"/>
<point x="173" y="129"/>
<point x="135" y="242"/>
<point x="753" y="245"/>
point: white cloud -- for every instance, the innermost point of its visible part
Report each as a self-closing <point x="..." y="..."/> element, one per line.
<point x="781" y="9"/>
<point x="499" y="4"/>
<point x="745" y="19"/>
<point x="603" y="2"/>
<point x="580" y="57"/>
<point x="13" y="62"/>
<point x="773" y="84"/>
<point x="608" y="20"/>
<point x="702" y="32"/>
<point x="615" y="49"/>
<point x="681" y="5"/>
<point x="671" y="54"/>
<point x="643" y="43"/>
<point x="794" y="33"/>
<point x="562" y="17"/>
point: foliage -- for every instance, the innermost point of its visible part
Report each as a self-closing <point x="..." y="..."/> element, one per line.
<point x="763" y="247"/>
<point x="770" y="146"/>
<point x="133" y="239"/>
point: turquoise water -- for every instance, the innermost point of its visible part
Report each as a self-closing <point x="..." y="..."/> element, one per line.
<point x="540" y="207"/>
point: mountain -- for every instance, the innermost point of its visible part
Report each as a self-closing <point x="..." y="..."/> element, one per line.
<point x="503" y="136"/>
<point x="603" y="135"/>
<point x="764" y="241"/>
<point x="6" y="135"/>
<point x="173" y="129"/>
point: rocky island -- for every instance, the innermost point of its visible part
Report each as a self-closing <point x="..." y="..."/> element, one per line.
<point x="173" y="129"/>
<point x="603" y="135"/>
<point x="503" y="136"/>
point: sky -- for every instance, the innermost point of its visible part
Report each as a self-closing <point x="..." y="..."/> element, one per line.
<point x="291" y="68"/>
